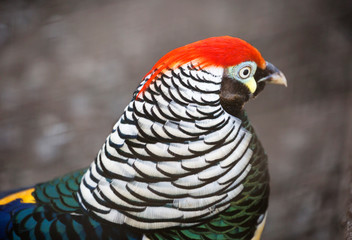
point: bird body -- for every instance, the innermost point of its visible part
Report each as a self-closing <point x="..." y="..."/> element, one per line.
<point x="182" y="162"/>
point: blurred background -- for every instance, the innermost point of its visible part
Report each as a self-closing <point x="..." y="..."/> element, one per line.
<point x="68" y="69"/>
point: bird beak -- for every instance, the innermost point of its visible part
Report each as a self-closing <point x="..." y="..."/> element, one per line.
<point x="271" y="75"/>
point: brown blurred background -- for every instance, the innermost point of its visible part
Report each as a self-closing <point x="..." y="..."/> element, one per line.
<point x="68" y="68"/>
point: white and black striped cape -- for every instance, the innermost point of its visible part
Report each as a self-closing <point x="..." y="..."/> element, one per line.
<point x="174" y="158"/>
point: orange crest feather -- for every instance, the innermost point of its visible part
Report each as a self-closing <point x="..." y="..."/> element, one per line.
<point x="222" y="51"/>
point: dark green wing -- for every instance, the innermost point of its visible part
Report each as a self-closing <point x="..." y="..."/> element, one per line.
<point x="56" y="214"/>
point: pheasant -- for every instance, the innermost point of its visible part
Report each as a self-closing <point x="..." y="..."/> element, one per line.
<point x="182" y="162"/>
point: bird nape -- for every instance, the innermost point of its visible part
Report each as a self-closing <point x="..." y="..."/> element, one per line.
<point x="182" y="162"/>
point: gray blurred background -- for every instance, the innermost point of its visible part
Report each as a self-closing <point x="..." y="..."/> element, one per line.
<point x="68" y="68"/>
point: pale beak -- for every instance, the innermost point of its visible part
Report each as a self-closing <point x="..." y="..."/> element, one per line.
<point x="271" y="75"/>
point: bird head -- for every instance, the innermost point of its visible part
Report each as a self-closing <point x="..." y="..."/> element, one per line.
<point x="244" y="71"/>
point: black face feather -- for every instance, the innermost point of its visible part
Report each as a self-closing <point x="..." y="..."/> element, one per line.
<point x="233" y="95"/>
<point x="260" y="74"/>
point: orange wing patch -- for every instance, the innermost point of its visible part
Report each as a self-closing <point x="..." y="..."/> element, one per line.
<point x="25" y="196"/>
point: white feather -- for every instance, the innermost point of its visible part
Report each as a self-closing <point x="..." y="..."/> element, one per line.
<point x="178" y="109"/>
<point x="140" y="151"/>
<point x="116" y="139"/>
<point x="159" y="149"/>
<point x="164" y="108"/>
<point x="112" y="151"/>
<point x="199" y="146"/>
<point x="204" y="86"/>
<point x="208" y="189"/>
<point x="210" y="123"/>
<point x="190" y="127"/>
<point x="190" y="181"/>
<point x="148" y="168"/>
<point x="185" y="93"/>
<point x="177" y="96"/>
<point x="212" y="98"/>
<point x="152" y="213"/>
<point x="198" y="98"/>
<point x="145" y="124"/>
<point x="238" y="152"/>
<point x="155" y="110"/>
<point x="138" y="106"/>
<point x="209" y="110"/>
<point x="159" y="129"/>
<point x="165" y="90"/>
<point x="120" y="186"/>
<point x="237" y="168"/>
<point x="233" y="136"/>
<point x="215" y="136"/>
<point x="104" y="186"/>
<point x="167" y="78"/>
<point x="219" y="153"/>
<point x="147" y="96"/>
<point x="172" y="129"/>
<point x="124" y="148"/>
<point x="148" y="107"/>
<point x="117" y="123"/>
<point x="90" y="181"/>
<point x="192" y="111"/>
<point x="113" y="216"/>
<point x="129" y="115"/>
<point x="121" y="169"/>
<point x="240" y="178"/>
<point x="171" y="167"/>
<point x="195" y="163"/>
<point x="211" y="172"/>
<point x="180" y="149"/>
<point x="232" y="194"/>
<point x="142" y="189"/>
<point x="166" y="188"/>
<point x="93" y="171"/>
<point x="214" y="74"/>
<point x="149" y="225"/>
<point x="87" y="195"/>
<point x="189" y="203"/>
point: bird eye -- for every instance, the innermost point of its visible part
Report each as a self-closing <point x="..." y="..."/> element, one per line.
<point x="245" y="72"/>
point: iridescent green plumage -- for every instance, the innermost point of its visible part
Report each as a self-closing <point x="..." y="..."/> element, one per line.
<point x="60" y="192"/>
<point x="58" y="215"/>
